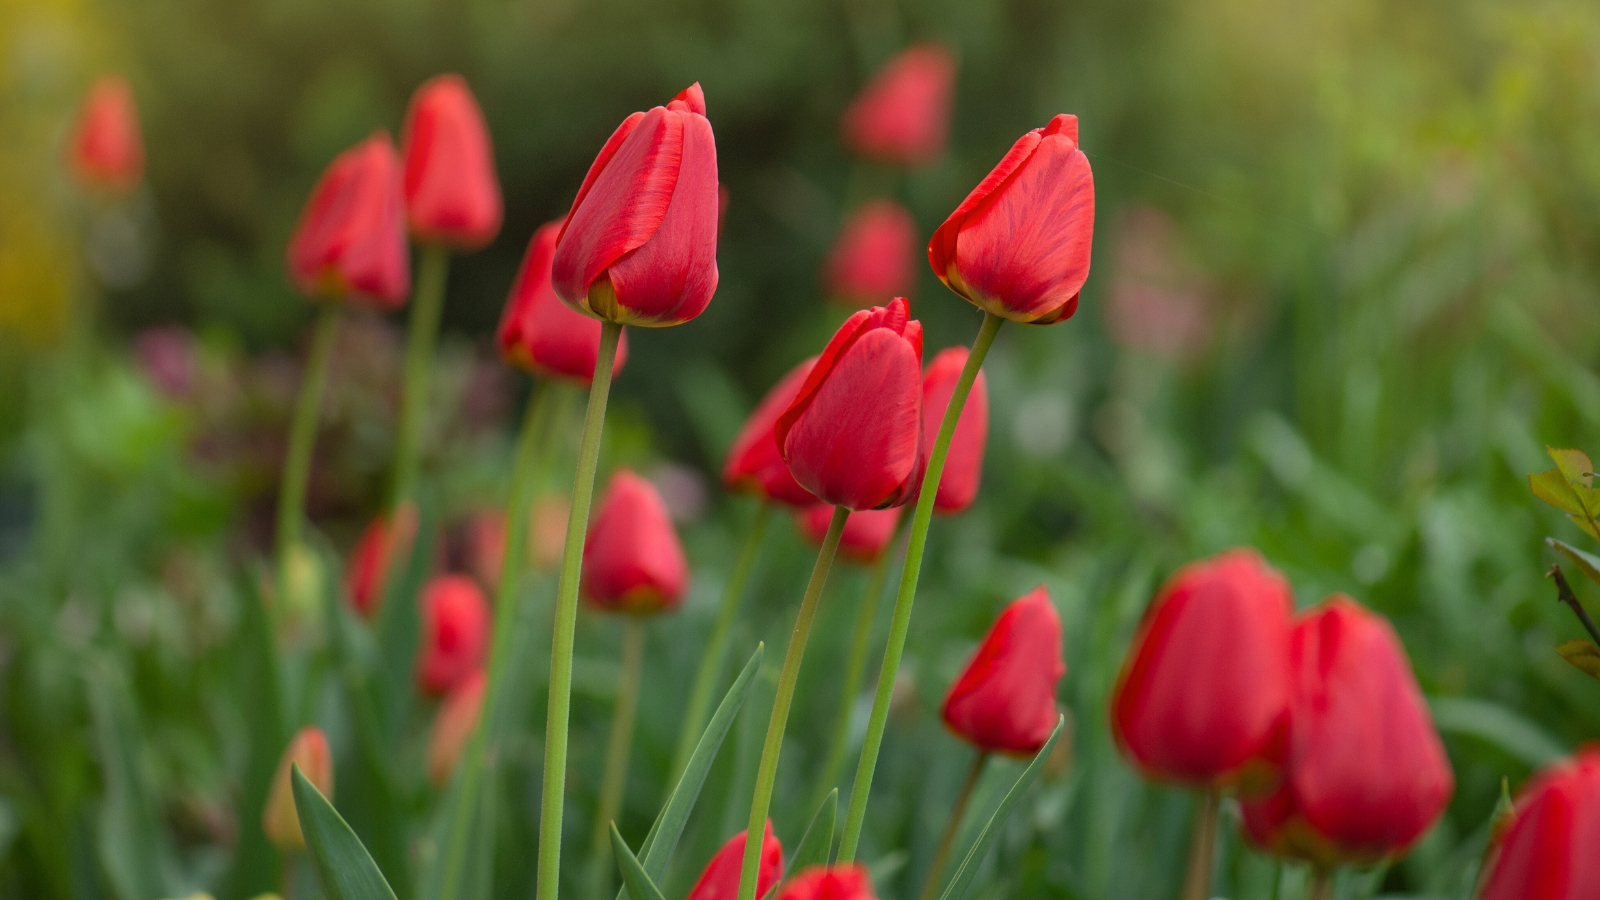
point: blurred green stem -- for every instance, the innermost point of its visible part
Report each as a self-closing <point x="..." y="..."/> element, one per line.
<point x="1202" y="848"/>
<point x="1321" y="885"/>
<point x="767" y="771"/>
<point x="615" y="775"/>
<point x="422" y="334"/>
<point x="560" y="704"/>
<point x="941" y="855"/>
<point x="712" y="658"/>
<point x="908" y="592"/>
<point x="302" y="440"/>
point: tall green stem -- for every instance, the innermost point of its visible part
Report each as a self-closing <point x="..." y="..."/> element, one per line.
<point x="302" y="440"/>
<point x="908" y="591"/>
<point x="1202" y="848"/>
<point x="767" y="771"/>
<point x="560" y="705"/>
<point x="942" y="854"/>
<point x="711" y="660"/>
<point x="615" y="774"/>
<point x="421" y="335"/>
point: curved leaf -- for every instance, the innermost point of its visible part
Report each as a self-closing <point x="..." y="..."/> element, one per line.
<point x="634" y="879"/>
<point x="816" y="845"/>
<point x="344" y="867"/>
<point x="969" y="865"/>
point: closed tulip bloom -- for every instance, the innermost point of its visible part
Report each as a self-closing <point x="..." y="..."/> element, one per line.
<point x="720" y="880"/>
<point x="632" y="560"/>
<point x="308" y="750"/>
<point x="455" y="632"/>
<point x="755" y="465"/>
<point x="963" y="464"/>
<point x="365" y="577"/>
<point x="1018" y="246"/>
<point x="866" y="533"/>
<point x="874" y="256"/>
<point x="851" y="435"/>
<point x="640" y="244"/>
<point x="351" y="239"/>
<point x="105" y="151"/>
<point x="541" y="334"/>
<point x="846" y="882"/>
<point x="902" y="117"/>
<point x="1549" y="852"/>
<point x="1364" y="772"/>
<point x="452" y="194"/>
<point x="1005" y="699"/>
<point x="453" y="726"/>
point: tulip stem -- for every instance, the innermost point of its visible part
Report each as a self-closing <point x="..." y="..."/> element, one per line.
<point x="1202" y="844"/>
<point x="941" y="855"/>
<point x="1321" y="885"/>
<point x="615" y="776"/>
<point x="302" y="441"/>
<point x="560" y="704"/>
<point x="422" y="333"/>
<point x="713" y="657"/>
<point x="767" y="771"/>
<point x="908" y="591"/>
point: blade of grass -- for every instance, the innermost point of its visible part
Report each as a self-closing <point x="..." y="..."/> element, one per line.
<point x="969" y="865"/>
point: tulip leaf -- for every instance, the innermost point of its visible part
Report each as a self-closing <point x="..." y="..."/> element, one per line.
<point x="1584" y="656"/>
<point x="969" y="865"/>
<point x="816" y="845"/>
<point x="1588" y="562"/>
<point x="634" y="879"/>
<point x="1574" y="466"/>
<point x="344" y="867"/>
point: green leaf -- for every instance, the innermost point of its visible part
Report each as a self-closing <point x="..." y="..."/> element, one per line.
<point x="1506" y="729"/>
<point x="1589" y="563"/>
<point x="634" y="879"/>
<point x="816" y="845"/>
<point x="1574" y="465"/>
<point x="344" y="867"/>
<point x="969" y="865"/>
<point x="1584" y="523"/>
<point x="1583" y="655"/>
<point x="1552" y="487"/>
<point x="132" y="839"/>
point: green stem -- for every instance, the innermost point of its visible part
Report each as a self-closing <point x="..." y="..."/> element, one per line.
<point x="712" y="658"/>
<point x="946" y="840"/>
<point x="615" y="775"/>
<point x="560" y="705"/>
<point x="422" y="334"/>
<point x="1202" y="848"/>
<point x="908" y="592"/>
<point x="767" y="771"/>
<point x="302" y="440"/>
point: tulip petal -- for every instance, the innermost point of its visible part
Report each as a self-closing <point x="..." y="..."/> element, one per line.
<point x="942" y="249"/>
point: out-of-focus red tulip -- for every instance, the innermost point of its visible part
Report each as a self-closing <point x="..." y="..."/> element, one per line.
<point x="1549" y="851"/>
<point x="1005" y="699"/>
<point x="754" y="464"/>
<point x="455" y="632"/>
<point x="874" y="257"/>
<point x="541" y="334"/>
<point x="365" y="578"/>
<point x="105" y="151"/>
<point x="1018" y="246"/>
<point x="453" y="726"/>
<point x="963" y="465"/>
<point x="1205" y="684"/>
<point x="903" y="115"/>
<point x="632" y="560"/>
<point x="308" y="749"/>
<point x="640" y="244"/>
<point x="847" y="882"/>
<point x="351" y="239"/>
<point x="452" y="194"/>
<point x="866" y="533"/>
<point x="1364" y="772"/>
<point x="720" y="880"/>
<point x="852" y="434"/>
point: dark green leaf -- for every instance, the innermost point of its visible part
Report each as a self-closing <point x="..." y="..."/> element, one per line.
<point x="816" y="845"/>
<point x="634" y="879"/>
<point x="1583" y="655"/>
<point x="344" y="867"/>
<point x="1589" y="563"/>
<point x="969" y="865"/>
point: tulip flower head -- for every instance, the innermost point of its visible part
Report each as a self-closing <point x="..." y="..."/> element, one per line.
<point x="350" y="242"/>
<point x="1364" y="771"/>
<point x="1549" y="850"/>
<point x="866" y="533"/>
<point x="846" y="882"/>
<point x="1018" y="246"/>
<point x="874" y="256"/>
<point x="755" y="465"/>
<point x="852" y="434"/>
<point x="105" y="151"/>
<point x="308" y="750"/>
<point x="452" y="193"/>
<point x="1005" y="699"/>
<point x="453" y="726"/>
<point x="367" y="573"/>
<point x="640" y="244"/>
<point x="632" y="560"/>
<point x="542" y="335"/>
<point x="902" y="117"/>
<point x="963" y="464"/>
<point x="455" y="632"/>
<point x="720" y="880"/>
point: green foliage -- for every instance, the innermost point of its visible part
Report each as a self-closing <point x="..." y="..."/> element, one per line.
<point x="344" y="868"/>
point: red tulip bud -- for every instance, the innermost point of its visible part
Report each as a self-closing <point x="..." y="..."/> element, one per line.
<point x="455" y="632"/>
<point x="105" y="151"/>
<point x="852" y="434"/>
<point x="452" y="194"/>
<point x="1018" y="246"/>
<point x="308" y="750"/>
<point x="754" y="464"/>
<point x="632" y="561"/>
<point x="963" y="465"/>
<point x="1364" y="772"/>
<point x="541" y="334"/>
<point x="847" y="882"/>
<point x="903" y="115"/>
<point x="874" y="255"/>
<point x="365" y="578"/>
<point x="1206" y="681"/>
<point x="453" y="726"/>
<point x="720" y="880"/>
<point x="351" y="239"/>
<point x="640" y="244"/>
<point x="1005" y="699"/>
<point x="866" y="533"/>
<point x="1549" y="850"/>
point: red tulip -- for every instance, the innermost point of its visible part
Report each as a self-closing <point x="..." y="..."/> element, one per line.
<point x="1005" y="699"/>
<point x="1205" y="683"/>
<point x="846" y="882"/>
<point x="1364" y="772"/>
<point x="720" y="880"/>
<point x="452" y="194"/>
<point x="754" y="464"/>
<point x="309" y="750"/>
<point x="453" y="726"/>
<point x="874" y="255"/>
<point x="866" y="533"/>
<point x="366" y="576"/>
<point x="541" y="334"/>
<point x="455" y="632"/>
<point x="1018" y="246"/>
<point x="632" y="560"/>
<point x="351" y="239"/>
<point x="105" y="151"/>
<point x="1549" y="850"/>
<point x="963" y="465"/>
<point x="852" y="434"/>
<point x="903" y="114"/>
<point x="640" y="244"/>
